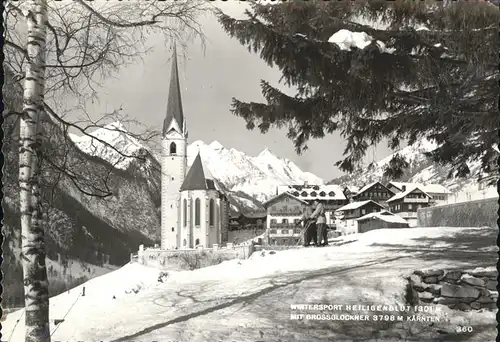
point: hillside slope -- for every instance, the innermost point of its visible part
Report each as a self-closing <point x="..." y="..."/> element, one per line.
<point x="421" y="170"/>
<point x="85" y="236"/>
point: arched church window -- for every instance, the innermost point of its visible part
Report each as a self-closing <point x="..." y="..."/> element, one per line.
<point x="197" y="242"/>
<point x="173" y="148"/>
<point x="211" y="212"/>
<point x="185" y="209"/>
<point x="197" y="208"/>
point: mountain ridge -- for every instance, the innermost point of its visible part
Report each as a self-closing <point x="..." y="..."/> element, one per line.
<point x="421" y="170"/>
<point x="246" y="180"/>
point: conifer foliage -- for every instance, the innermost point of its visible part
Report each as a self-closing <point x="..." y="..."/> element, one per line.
<point x="429" y="70"/>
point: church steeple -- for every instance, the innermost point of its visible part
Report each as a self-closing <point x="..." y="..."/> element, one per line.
<point x="174" y="114"/>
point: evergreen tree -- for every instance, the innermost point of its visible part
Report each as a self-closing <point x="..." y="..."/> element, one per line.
<point x="429" y="70"/>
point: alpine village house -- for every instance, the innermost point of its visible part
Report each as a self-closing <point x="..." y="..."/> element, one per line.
<point x="285" y="210"/>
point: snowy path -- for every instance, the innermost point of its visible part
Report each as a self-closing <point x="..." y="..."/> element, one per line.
<point x="244" y="309"/>
<point x="249" y="300"/>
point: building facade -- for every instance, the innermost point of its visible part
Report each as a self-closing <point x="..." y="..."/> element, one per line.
<point x="375" y="191"/>
<point x="438" y="192"/>
<point x="284" y="212"/>
<point x="194" y="212"/>
<point x="331" y="196"/>
<point x="347" y="215"/>
<point x="406" y="204"/>
<point x="380" y="220"/>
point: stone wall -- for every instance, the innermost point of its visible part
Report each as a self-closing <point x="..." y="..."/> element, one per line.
<point x="460" y="290"/>
<point x="467" y="214"/>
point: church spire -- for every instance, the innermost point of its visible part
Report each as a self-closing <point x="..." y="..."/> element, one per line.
<point x="174" y="104"/>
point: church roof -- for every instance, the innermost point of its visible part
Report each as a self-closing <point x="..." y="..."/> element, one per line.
<point x="174" y="104"/>
<point x="198" y="177"/>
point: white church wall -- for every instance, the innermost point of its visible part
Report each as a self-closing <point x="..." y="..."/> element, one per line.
<point x="173" y="172"/>
<point x="212" y="231"/>
<point x="199" y="229"/>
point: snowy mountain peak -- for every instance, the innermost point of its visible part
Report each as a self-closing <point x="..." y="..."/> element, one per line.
<point x="117" y="125"/>
<point x="196" y="146"/>
<point x="216" y="145"/>
<point x="112" y="143"/>
<point x="266" y="153"/>
<point x="249" y="180"/>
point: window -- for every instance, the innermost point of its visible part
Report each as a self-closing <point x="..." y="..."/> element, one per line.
<point x="409" y="207"/>
<point x="304" y="194"/>
<point x="173" y="148"/>
<point x="197" y="208"/>
<point x="185" y="209"/>
<point x="363" y="211"/>
<point x="273" y="221"/>
<point x="172" y="228"/>
<point x="211" y="212"/>
<point x="272" y="231"/>
<point x="197" y="242"/>
<point x="322" y="194"/>
<point x="331" y="194"/>
<point x="314" y="194"/>
<point x="284" y="231"/>
<point x="296" y="221"/>
<point x="284" y="221"/>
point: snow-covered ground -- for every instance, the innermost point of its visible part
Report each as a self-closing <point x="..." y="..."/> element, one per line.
<point x="249" y="300"/>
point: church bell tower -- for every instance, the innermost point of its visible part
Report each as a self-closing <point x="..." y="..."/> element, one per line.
<point x="173" y="161"/>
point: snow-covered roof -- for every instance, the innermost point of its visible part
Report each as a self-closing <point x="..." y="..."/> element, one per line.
<point x="352" y="188"/>
<point x="384" y="216"/>
<point x="368" y="186"/>
<point x="313" y="192"/>
<point x="356" y="205"/>
<point x="199" y="177"/>
<point x="404" y="193"/>
<point x="282" y="194"/>
<point x="428" y="188"/>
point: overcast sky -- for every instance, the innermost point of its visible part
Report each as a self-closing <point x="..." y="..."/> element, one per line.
<point x="209" y="79"/>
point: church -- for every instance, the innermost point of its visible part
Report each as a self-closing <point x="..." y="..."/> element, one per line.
<point x="194" y="210"/>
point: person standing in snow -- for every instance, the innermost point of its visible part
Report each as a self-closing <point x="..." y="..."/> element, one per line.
<point x="309" y="226"/>
<point x="319" y="215"/>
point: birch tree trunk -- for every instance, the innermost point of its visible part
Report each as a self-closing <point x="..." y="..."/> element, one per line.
<point x="30" y="159"/>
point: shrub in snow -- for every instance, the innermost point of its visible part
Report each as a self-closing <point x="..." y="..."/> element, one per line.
<point x="162" y="277"/>
<point x="195" y="260"/>
<point x="136" y="289"/>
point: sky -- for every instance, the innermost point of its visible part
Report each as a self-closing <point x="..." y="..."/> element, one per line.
<point x="210" y="77"/>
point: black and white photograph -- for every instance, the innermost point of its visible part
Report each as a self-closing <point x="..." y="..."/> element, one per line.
<point x="250" y="171"/>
